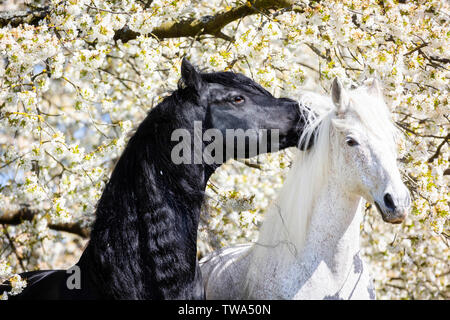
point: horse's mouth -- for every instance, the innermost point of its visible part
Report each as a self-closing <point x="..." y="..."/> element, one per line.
<point x="396" y="217"/>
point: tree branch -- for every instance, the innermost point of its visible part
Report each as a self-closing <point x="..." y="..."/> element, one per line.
<point x="14" y="248"/>
<point x="210" y="25"/>
<point x="16" y="18"/>
<point x="438" y="150"/>
<point x="26" y="214"/>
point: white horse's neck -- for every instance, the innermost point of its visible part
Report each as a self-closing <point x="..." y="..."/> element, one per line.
<point x="327" y="251"/>
<point x="333" y="231"/>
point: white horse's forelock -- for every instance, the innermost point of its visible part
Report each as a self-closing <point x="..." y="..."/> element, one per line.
<point x="373" y="114"/>
<point x="287" y="219"/>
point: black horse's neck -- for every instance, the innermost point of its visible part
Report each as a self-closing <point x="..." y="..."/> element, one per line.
<point x="143" y="242"/>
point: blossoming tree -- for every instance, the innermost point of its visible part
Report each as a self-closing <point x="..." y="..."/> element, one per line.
<point x="77" y="75"/>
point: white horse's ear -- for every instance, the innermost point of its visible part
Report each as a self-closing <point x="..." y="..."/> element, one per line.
<point x="339" y="96"/>
<point x="374" y="87"/>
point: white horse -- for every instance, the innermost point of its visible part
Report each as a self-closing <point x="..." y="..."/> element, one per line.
<point x="308" y="246"/>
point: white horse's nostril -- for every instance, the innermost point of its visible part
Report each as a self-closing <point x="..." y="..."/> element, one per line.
<point x="389" y="202"/>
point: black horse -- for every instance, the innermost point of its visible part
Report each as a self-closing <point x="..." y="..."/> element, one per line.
<point x="143" y="241"/>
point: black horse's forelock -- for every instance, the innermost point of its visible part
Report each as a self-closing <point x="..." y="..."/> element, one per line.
<point x="235" y="80"/>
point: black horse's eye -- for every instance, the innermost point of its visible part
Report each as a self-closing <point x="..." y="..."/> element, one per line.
<point x="238" y="99"/>
<point x="351" y="142"/>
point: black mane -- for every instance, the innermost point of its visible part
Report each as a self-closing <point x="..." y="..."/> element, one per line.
<point x="154" y="206"/>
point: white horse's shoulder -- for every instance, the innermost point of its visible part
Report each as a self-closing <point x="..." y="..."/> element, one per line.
<point x="223" y="271"/>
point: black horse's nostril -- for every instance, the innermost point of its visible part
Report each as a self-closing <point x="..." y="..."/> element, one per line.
<point x="389" y="202"/>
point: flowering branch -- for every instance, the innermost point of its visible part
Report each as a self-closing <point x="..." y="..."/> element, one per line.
<point x="26" y="214"/>
<point x="16" y="18"/>
<point x="206" y="25"/>
<point x="438" y="150"/>
<point x="14" y="248"/>
<point x="211" y="25"/>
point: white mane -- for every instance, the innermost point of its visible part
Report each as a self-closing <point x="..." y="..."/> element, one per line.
<point x="286" y="223"/>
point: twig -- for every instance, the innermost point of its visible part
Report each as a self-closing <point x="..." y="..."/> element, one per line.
<point x="438" y="150"/>
<point x="13" y="246"/>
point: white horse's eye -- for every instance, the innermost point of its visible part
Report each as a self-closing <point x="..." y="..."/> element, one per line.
<point x="351" y="142"/>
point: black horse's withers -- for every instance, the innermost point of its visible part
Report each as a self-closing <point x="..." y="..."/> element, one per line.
<point x="143" y="241"/>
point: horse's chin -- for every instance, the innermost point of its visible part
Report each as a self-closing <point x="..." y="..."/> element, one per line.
<point x="396" y="217"/>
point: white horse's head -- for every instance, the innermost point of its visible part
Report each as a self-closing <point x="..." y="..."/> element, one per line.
<point x="365" y="136"/>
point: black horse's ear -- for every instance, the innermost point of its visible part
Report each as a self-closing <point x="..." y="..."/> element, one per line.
<point x="190" y="76"/>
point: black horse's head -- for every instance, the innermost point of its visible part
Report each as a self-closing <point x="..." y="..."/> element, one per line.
<point x="239" y="115"/>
